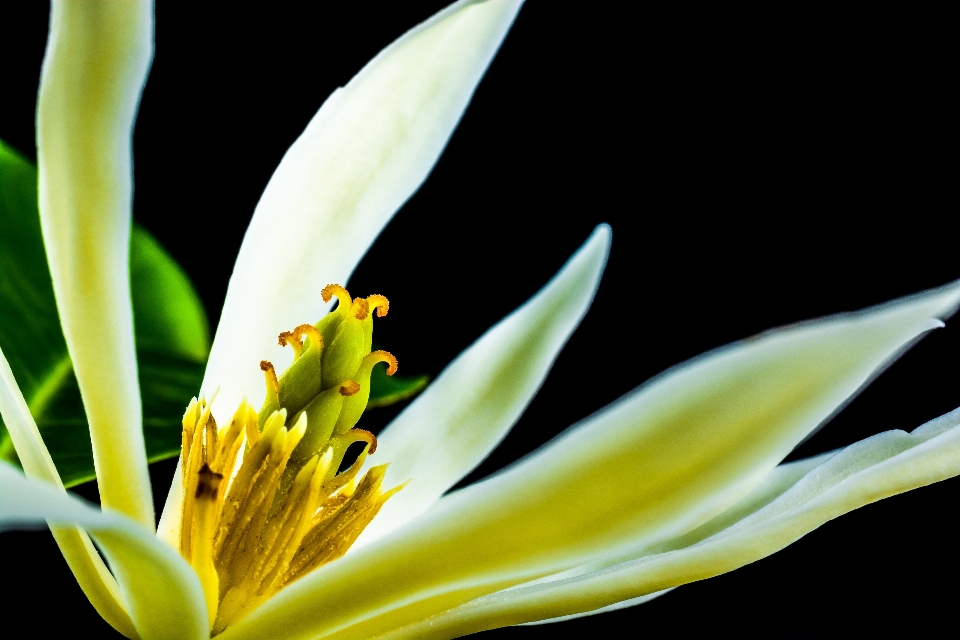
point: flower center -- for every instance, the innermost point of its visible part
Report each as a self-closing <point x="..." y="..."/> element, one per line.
<point x="264" y="501"/>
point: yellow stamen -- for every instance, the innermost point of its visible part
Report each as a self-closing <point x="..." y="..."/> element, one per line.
<point x="331" y="537"/>
<point x="264" y="502"/>
<point x="208" y="488"/>
<point x="244" y="533"/>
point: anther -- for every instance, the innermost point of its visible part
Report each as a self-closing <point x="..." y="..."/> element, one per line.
<point x="349" y="388"/>
<point x="380" y="303"/>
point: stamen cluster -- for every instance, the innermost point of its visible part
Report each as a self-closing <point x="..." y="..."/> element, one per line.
<point x="264" y="503"/>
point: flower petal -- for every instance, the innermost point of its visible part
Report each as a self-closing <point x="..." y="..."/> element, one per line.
<point x="875" y="468"/>
<point x="771" y="487"/>
<point x="469" y="409"/>
<point x="94" y="70"/>
<point x="654" y="465"/>
<point x="540" y="594"/>
<point x="366" y="151"/>
<point x="92" y="574"/>
<point x="161" y="590"/>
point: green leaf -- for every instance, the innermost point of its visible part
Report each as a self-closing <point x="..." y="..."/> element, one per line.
<point x="386" y="390"/>
<point x="172" y="332"/>
<point x="168" y="313"/>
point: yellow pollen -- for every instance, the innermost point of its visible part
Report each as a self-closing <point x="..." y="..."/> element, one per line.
<point x="287" y="338"/>
<point x="342" y="294"/>
<point x="309" y="331"/>
<point x="380" y="303"/>
<point x="360" y="309"/>
<point x="384" y="356"/>
<point x="349" y="388"/>
<point x="295" y="338"/>
<point x="246" y="533"/>
<point x="244" y="536"/>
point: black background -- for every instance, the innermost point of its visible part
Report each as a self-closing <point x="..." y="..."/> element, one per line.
<point x="757" y="167"/>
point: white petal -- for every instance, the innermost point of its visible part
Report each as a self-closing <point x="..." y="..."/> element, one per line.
<point x="543" y="595"/>
<point x="656" y="464"/>
<point x="872" y="469"/>
<point x="96" y="63"/>
<point x="93" y="576"/>
<point x="365" y="152"/>
<point x="770" y="488"/>
<point x="162" y="592"/>
<point x="469" y="409"/>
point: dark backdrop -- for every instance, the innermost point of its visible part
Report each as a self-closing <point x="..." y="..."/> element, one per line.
<point x="757" y="168"/>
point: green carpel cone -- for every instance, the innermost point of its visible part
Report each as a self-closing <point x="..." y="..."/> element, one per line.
<point x="329" y="380"/>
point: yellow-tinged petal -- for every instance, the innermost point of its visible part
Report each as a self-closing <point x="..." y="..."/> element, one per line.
<point x="93" y="576"/>
<point x="661" y="461"/>
<point x="770" y="488"/>
<point x="366" y="151"/>
<point x="555" y="590"/>
<point x="96" y="63"/>
<point x="161" y="591"/>
<point x="472" y="405"/>
<point x="875" y="468"/>
<point x="452" y="622"/>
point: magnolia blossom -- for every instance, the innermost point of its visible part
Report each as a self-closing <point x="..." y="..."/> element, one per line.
<point x="677" y="481"/>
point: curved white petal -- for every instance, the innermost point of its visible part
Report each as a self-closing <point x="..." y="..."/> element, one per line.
<point x="94" y="70"/>
<point x="93" y="576"/>
<point x="659" y="462"/>
<point x="472" y="405"/>
<point x="366" y="151"/>
<point x="872" y="469"/>
<point x="773" y="486"/>
<point x="540" y="594"/>
<point x="778" y="481"/>
<point x="161" y="591"/>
